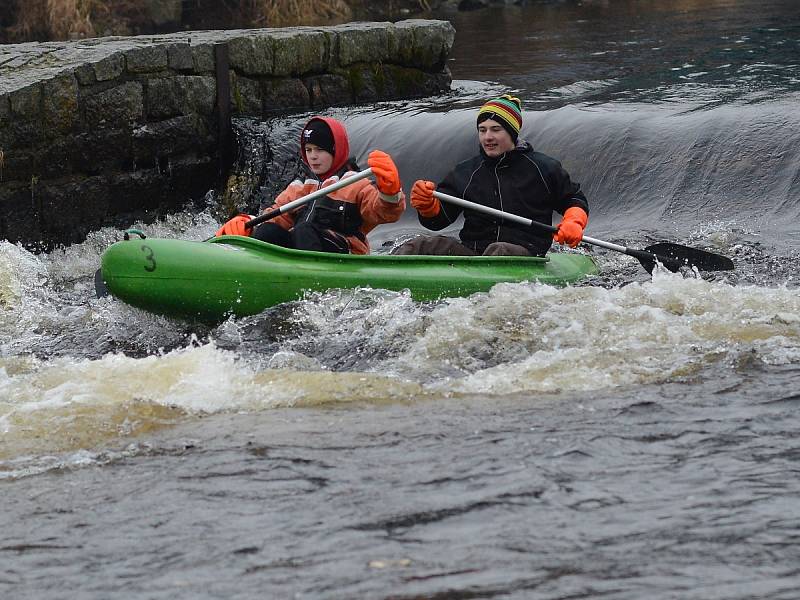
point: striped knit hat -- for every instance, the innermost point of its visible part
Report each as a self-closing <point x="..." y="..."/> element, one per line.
<point x="506" y="110"/>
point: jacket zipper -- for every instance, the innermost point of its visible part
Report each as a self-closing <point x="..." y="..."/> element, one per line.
<point x="499" y="193"/>
<point x="311" y="208"/>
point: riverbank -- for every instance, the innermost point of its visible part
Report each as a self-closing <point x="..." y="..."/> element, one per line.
<point x="54" y="20"/>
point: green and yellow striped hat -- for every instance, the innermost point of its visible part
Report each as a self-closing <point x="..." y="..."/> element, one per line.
<point x="506" y="110"/>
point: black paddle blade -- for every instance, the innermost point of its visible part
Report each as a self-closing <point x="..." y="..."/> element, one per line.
<point x="99" y="284"/>
<point x="675" y="256"/>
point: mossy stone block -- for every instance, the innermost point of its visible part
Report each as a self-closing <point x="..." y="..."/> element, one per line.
<point x="246" y="96"/>
<point x="432" y="42"/>
<point x="60" y="103"/>
<point x="26" y="101"/>
<point x="179" y="57"/>
<point x="109" y="67"/>
<point x="181" y="95"/>
<point x="300" y="51"/>
<point x="251" y="55"/>
<point x="117" y="106"/>
<point x="147" y="59"/>
<point x="203" y="58"/>
<point x="362" y="42"/>
<point x="281" y="95"/>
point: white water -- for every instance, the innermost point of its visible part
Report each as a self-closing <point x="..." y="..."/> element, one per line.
<point x="137" y="372"/>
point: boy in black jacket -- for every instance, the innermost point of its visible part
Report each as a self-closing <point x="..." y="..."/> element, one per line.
<point x="507" y="175"/>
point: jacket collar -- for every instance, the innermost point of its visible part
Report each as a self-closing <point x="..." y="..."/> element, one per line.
<point x="522" y="147"/>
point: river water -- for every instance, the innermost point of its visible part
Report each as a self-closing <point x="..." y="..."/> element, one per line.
<point x="633" y="436"/>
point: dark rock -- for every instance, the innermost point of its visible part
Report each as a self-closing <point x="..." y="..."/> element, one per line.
<point x="101" y="150"/>
<point x="119" y="106"/>
<point x="246" y="96"/>
<point x="328" y="90"/>
<point x="60" y="103"/>
<point x="146" y="59"/>
<point x="180" y="95"/>
<point x="298" y="51"/>
<point x="179" y="57"/>
<point x="282" y="95"/>
<point x="170" y="138"/>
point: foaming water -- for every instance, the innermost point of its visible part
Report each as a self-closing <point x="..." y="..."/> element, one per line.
<point x="66" y="405"/>
<point x="372" y="346"/>
<point x="522" y="338"/>
<point x="98" y="359"/>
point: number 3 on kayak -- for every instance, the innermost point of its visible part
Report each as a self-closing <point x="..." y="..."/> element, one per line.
<point x="149" y="258"/>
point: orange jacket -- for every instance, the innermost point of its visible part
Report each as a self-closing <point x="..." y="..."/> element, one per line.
<point x="352" y="211"/>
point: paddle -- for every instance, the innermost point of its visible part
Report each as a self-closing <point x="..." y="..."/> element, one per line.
<point x="100" y="285"/>
<point x="672" y="256"/>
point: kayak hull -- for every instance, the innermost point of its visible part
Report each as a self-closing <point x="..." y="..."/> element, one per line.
<point x="231" y="275"/>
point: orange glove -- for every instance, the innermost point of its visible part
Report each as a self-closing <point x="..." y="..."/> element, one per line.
<point x="385" y="172"/>
<point x="423" y="200"/>
<point x="236" y="226"/>
<point x="570" y="230"/>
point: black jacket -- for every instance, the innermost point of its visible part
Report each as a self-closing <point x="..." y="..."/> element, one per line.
<point x="343" y="217"/>
<point x="523" y="182"/>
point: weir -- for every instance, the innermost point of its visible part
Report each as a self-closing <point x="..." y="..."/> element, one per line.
<point x="96" y="132"/>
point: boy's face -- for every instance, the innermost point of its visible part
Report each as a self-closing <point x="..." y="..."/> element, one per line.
<point x="319" y="160"/>
<point x="494" y="139"/>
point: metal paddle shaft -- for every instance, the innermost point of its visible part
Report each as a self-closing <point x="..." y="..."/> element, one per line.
<point x="672" y="256"/>
<point x="343" y="182"/>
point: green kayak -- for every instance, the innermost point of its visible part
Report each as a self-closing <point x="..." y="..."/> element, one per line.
<point x="231" y="275"/>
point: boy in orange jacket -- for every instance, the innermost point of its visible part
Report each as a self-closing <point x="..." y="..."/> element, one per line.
<point x="340" y="221"/>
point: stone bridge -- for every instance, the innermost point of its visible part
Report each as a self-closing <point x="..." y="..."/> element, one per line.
<point x="97" y="132"/>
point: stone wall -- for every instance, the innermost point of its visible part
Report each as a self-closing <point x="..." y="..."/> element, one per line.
<point x="100" y="131"/>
